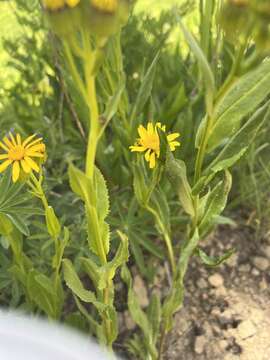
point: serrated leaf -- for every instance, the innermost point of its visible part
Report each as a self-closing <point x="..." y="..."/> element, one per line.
<point x="74" y="283"/>
<point x="154" y="315"/>
<point x="79" y="183"/>
<point x="214" y="261"/>
<point x="102" y="194"/>
<point x="242" y="99"/>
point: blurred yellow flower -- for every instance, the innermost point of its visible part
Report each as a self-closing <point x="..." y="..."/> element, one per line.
<point x="109" y="6"/>
<point x="149" y="141"/>
<point x="19" y="154"/>
<point x="55" y="5"/>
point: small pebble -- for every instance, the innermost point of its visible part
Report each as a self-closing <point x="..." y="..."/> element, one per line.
<point x="261" y="263"/>
<point x="200" y="343"/>
<point x="216" y="280"/>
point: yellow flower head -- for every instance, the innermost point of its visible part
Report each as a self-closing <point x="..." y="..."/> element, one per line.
<point x="109" y="6"/>
<point x="55" y="5"/>
<point x="149" y="141"/>
<point x="19" y="154"/>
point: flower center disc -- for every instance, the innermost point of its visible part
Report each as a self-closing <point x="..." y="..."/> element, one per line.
<point x="16" y="153"/>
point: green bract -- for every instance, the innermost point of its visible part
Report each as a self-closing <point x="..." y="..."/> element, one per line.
<point x="103" y="23"/>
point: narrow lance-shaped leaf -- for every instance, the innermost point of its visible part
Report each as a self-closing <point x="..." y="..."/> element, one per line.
<point x="235" y="148"/>
<point x="214" y="261"/>
<point x="216" y="203"/>
<point x="144" y="92"/>
<point x="176" y="170"/>
<point x="242" y="99"/>
<point x="205" y="68"/>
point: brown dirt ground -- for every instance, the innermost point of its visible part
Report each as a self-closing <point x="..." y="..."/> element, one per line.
<point x="226" y="312"/>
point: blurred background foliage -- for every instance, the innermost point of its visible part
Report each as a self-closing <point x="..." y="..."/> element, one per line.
<point x="37" y="95"/>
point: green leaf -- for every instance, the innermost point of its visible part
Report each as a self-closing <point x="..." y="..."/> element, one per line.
<point x="154" y="315"/>
<point x="6" y="226"/>
<point x="107" y="272"/>
<point x="19" y="223"/>
<point x="205" y="68"/>
<point x="102" y="195"/>
<point x="176" y="170"/>
<point x="91" y="268"/>
<point x="175" y="300"/>
<point x="159" y="203"/>
<point x="239" y="143"/>
<point x="4" y="185"/>
<point x="53" y="225"/>
<point x="113" y="103"/>
<point x="74" y="283"/>
<point x="79" y="183"/>
<point x="216" y="203"/>
<point x="144" y="93"/>
<point x="242" y="99"/>
<point x="40" y="295"/>
<point x="214" y="261"/>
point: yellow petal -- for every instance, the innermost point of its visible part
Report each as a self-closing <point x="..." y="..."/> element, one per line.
<point x="26" y="168"/>
<point x="33" y="143"/>
<point x="15" y="171"/>
<point x="137" y="148"/>
<point x="3" y="146"/>
<point x="33" y="154"/>
<point x="5" y="165"/>
<point x="12" y="139"/>
<point x="147" y="155"/>
<point x="142" y="131"/>
<point x="31" y="163"/>
<point x="19" y="139"/>
<point x="8" y="143"/>
<point x="27" y="140"/>
<point x="38" y="147"/>
<point x="3" y="156"/>
<point x="152" y="163"/>
<point x="173" y="136"/>
<point x="173" y="145"/>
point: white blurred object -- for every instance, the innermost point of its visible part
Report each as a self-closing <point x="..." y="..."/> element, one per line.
<point x="25" y="338"/>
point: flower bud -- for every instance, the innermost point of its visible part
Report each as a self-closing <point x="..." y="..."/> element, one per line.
<point x="64" y="15"/>
<point x="235" y="18"/>
<point x="105" y="17"/>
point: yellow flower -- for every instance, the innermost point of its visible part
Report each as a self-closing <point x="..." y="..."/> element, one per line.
<point x="109" y="6"/>
<point x="19" y="154"/>
<point x="149" y="141"/>
<point x="55" y="5"/>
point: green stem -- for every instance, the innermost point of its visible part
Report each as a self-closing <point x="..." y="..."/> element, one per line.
<point x="92" y="143"/>
<point x="166" y="236"/>
<point x="74" y="72"/>
<point x="94" y="128"/>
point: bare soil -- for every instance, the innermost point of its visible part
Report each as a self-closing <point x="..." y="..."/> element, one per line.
<point x="226" y="313"/>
